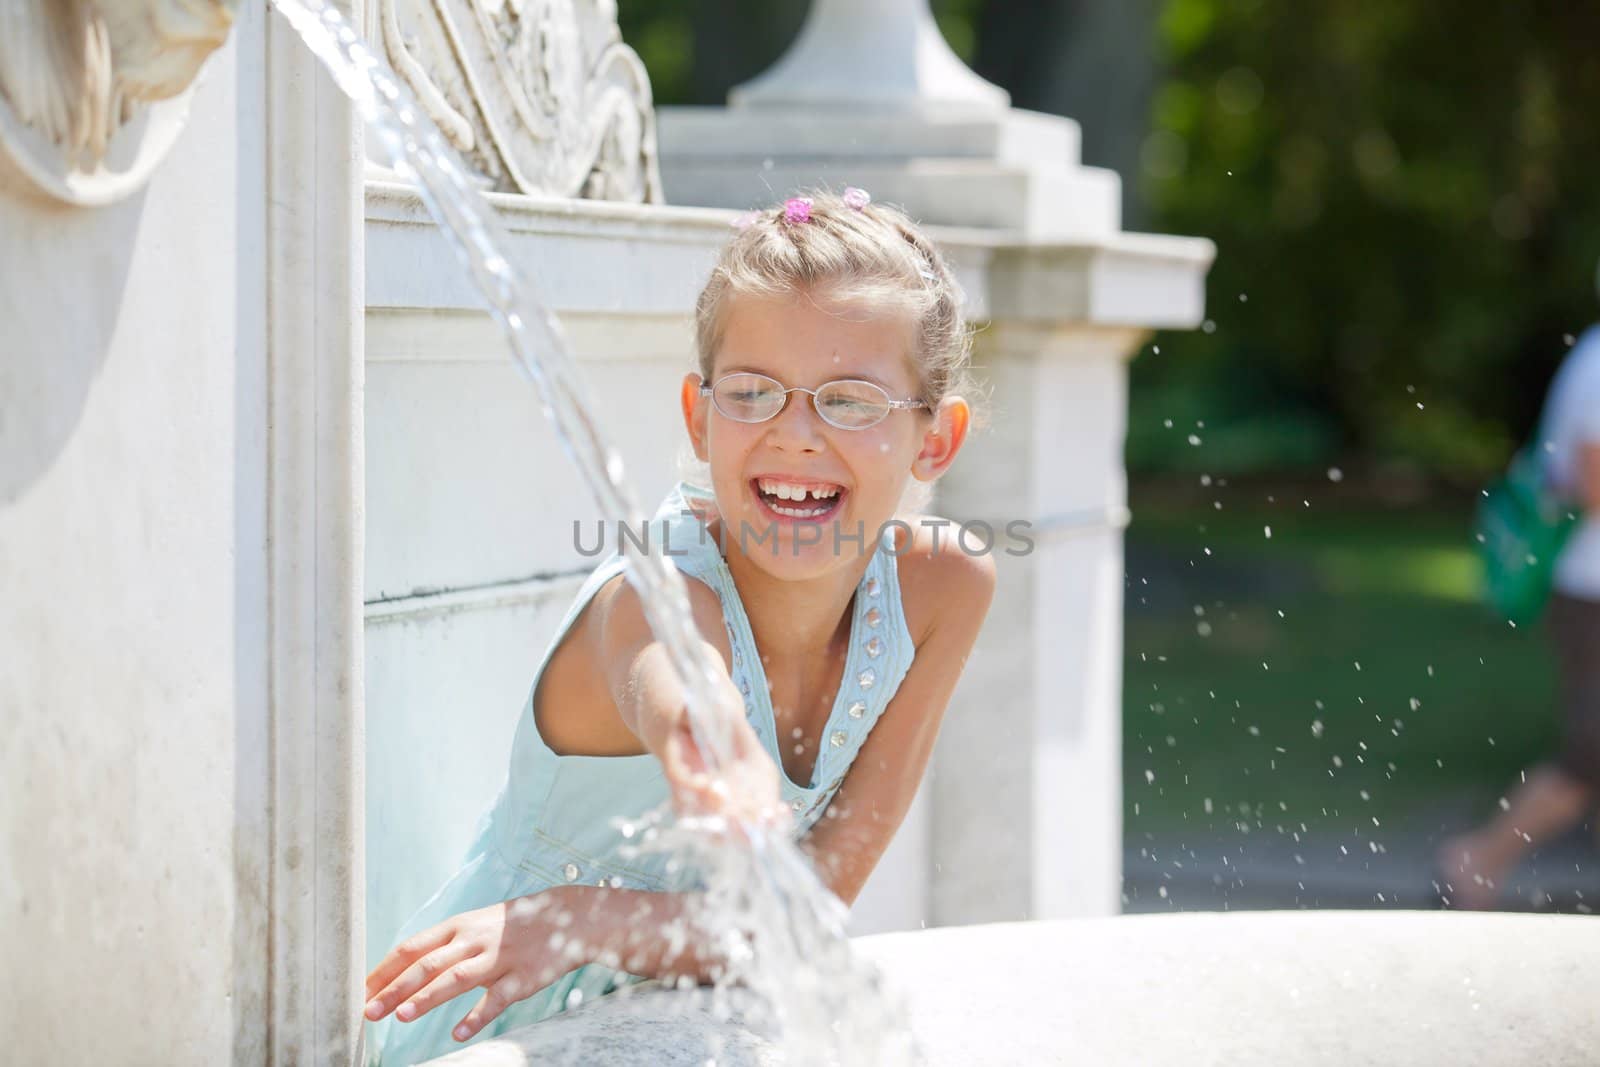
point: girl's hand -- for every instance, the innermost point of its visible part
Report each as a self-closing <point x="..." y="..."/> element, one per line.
<point x="744" y="790"/>
<point x="512" y="949"/>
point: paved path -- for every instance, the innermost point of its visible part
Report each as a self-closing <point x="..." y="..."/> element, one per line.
<point x="1232" y="872"/>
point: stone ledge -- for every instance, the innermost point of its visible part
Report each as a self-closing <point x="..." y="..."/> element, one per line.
<point x="572" y="249"/>
<point x="1268" y="989"/>
<point x="1012" y="136"/>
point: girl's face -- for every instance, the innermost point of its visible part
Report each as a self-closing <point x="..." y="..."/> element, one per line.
<point x="853" y="480"/>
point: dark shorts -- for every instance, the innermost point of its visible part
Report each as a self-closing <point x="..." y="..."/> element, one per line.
<point x="1575" y="631"/>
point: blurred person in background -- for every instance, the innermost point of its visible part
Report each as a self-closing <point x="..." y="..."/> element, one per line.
<point x="1556" y="796"/>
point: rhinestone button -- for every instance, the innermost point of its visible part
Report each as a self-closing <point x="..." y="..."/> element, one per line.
<point x="796" y="804"/>
<point x="867" y="678"/>
<point x="857" y="710"/>
<point x="838" y="739"/>
<point x="571" y="871"/>
<point x="872" y="586"/>
<point x="875" y="648"/>
<point x="874" y="616"/>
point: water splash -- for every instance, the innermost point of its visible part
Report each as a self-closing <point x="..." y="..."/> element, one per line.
<point x="824" y="1002"/>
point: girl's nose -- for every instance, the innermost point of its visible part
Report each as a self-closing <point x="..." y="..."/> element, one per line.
<point x="797" y="427"/>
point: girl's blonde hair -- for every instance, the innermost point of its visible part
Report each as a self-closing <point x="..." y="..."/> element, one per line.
<point x="870" y="257"/>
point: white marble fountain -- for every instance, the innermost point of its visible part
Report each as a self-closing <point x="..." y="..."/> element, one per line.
<point x="257" y="525"/>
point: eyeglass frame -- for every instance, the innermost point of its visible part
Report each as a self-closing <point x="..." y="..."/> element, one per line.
<point x="709" y="389"/>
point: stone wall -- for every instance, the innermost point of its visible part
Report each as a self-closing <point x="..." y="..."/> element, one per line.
<point x="178" y="535"/>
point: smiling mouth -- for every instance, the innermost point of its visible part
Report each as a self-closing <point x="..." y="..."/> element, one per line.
<point x="803" y="501"/>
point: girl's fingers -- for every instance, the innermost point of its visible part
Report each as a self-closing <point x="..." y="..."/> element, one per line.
<point x="456" y="980"/>
<point x="416" y="977"/>
<point x="401" y="956"/>
<point x="501" y="995"/>
<point x="692" y="788"/>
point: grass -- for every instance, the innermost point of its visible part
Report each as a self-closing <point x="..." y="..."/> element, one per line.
<point x="1336" y="670"/>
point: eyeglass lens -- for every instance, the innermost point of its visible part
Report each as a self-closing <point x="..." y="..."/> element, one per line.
<point x="846" y="404"/>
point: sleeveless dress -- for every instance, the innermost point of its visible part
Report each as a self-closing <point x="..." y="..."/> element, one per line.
<point x="552" y="823"/>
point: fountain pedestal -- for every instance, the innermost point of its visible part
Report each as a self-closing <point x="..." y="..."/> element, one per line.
<point x="871" y="95"/>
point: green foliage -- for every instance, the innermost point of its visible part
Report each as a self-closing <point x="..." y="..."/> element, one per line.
<point x="1339" y="671"/>
<point x="1401" y="196"/>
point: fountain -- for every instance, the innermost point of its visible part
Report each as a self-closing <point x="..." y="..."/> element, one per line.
<point x="185" y="493"/>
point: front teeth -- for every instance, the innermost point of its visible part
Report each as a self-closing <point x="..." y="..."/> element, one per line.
<point x="790" y="491"/>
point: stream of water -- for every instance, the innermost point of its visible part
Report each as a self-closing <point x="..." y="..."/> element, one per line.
<point x="823" y="1002"/>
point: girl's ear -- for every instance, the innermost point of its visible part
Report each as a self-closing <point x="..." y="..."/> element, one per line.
<point x="942" y="439"/>
<point x="695" y="406"/>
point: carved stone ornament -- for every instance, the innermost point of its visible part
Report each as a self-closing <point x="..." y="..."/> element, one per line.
<point x="94" y="92"/>
<point x="540" y="96"/>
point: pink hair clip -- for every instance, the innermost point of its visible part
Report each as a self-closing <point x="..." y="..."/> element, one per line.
<point x="797" y="209"/>
<point x="857" y="198"/>
<point x="745" y="221"/>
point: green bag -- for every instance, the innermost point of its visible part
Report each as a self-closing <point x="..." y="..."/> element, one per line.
<point x="1521" y="528"/>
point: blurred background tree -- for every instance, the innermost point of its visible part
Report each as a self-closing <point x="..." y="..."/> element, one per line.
<point x="1401" y="197"/>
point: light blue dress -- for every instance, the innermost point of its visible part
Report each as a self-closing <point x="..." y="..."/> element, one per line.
<point x="552" y="823"/>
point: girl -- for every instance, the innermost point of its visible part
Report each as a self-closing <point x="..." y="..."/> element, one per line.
<point x="832" y="363"/>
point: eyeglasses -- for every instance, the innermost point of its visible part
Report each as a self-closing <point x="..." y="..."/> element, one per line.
<point x="848" y="403"/>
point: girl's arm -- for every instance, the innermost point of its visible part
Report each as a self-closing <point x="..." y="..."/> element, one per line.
<point x="1589" y="476"/>
<point x="517" y="947"/>
<point x="650" y="701"/>
<point x="954" y="591"/>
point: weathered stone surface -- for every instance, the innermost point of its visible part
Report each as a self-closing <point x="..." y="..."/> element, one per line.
<point x="1301" y="988"/>
<point x="93" y="95"/>
<point x="539" y="96"/>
